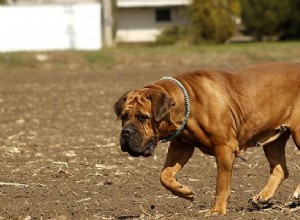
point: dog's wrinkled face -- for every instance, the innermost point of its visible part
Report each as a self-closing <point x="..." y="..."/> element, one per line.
<point x="140" y="110"/>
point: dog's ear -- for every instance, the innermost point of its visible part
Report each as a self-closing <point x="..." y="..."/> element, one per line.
<point x="161" y="104"/>
<point x="119" y="104"/>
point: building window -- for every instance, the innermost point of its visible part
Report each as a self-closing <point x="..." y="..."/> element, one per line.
<point x="162" y="15"/>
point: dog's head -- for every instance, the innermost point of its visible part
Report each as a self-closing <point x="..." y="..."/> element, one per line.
<point x="140" y="112"/>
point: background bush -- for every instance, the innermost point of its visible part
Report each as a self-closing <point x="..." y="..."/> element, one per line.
<point x="172" y="35"/>
<point x="263" y="18"/>
<point x="215" y="21"/>
<point x="212" y="20"/>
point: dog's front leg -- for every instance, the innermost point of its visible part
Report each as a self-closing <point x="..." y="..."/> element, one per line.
<point x="178" y="156"/>
<point x="224" y="157"/>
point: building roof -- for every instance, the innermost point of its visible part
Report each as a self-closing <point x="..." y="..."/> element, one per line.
<point x="150" y="3"/>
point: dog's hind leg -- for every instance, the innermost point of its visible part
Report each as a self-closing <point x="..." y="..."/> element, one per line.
<point x="178" y="156"/>
<point x="296" y="194"/>
<point x="296" y="138"/>
<point x="275" y="153"/>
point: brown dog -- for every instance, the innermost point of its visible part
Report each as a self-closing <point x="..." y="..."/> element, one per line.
<point x="226" y="112"/>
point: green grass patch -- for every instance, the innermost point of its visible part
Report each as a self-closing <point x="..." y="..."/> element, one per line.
<point x="234" y="54"/>
<point x="10" y="60"/>
<point x="99" y="57"/>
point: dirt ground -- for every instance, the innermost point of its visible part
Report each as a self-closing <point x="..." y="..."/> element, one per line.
<point x="60" y="157"/>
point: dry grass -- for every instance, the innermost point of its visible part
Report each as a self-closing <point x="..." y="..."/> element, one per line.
<point x="212" y="55"/>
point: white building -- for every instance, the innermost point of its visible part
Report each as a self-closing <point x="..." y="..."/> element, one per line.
<point x="143" y="20"/>
<point x="78" y="24"/>
<point x="33" y="27"/>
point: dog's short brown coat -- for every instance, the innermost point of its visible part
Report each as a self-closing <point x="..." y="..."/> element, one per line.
<point x="230" y="111"/>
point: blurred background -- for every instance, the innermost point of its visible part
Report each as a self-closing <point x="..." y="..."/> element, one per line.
<point x="116" y="32"/>
<point x="92" y="24"/>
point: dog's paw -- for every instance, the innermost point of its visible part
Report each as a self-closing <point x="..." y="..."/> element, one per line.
<point x="260" y="199"/>
<point x="185" y="193"/>
<point x="215" y="212"/>
<point x="189" y="196"/>
<point x="296" y="196"/>
<point x="259" y="202"/>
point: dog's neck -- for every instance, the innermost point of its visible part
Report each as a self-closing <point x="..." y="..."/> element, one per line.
<point x="174" y="120"/>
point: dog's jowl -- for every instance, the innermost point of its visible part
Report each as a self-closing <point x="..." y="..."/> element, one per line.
<point x="221" y="113"/>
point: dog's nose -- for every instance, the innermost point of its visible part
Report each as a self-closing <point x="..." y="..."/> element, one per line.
<point x="126" y="132"/>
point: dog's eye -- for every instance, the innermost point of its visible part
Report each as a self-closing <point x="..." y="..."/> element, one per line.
<point x="124" y="116"/>
<point x="142" y="117"/>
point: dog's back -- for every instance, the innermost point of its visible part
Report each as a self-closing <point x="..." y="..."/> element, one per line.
<point x="268" y="94"/>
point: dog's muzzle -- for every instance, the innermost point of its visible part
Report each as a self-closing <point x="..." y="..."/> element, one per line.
<point x="131" y="141"/>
